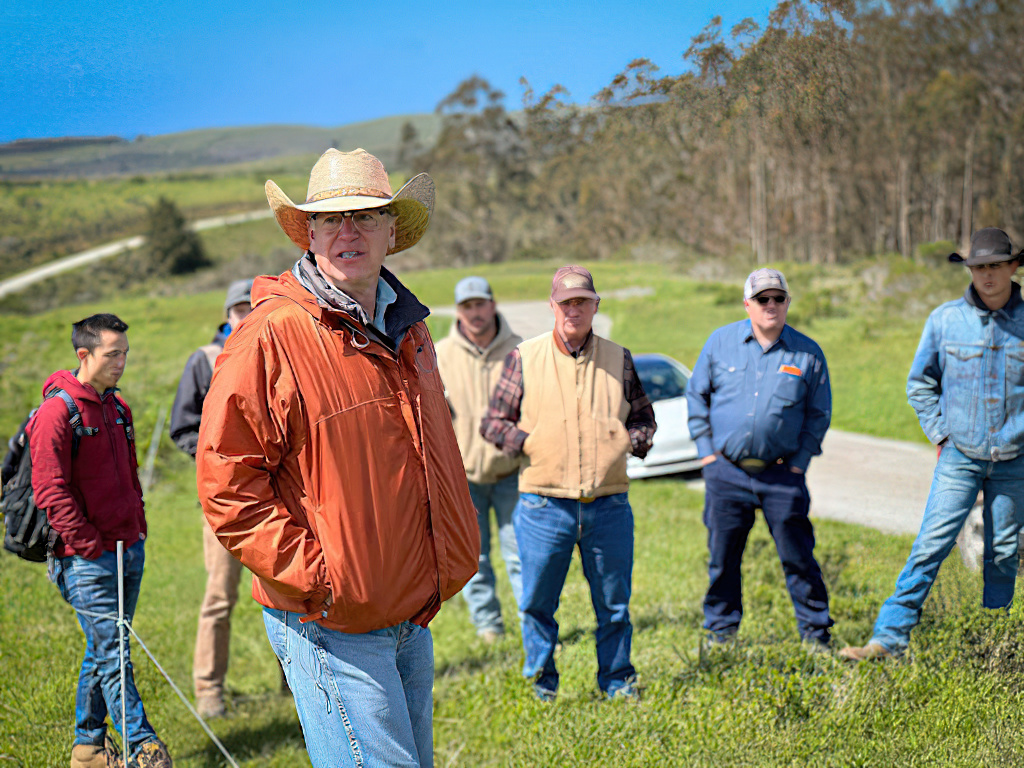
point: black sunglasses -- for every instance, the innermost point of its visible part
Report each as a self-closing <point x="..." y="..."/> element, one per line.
<point x="763" y="300"/>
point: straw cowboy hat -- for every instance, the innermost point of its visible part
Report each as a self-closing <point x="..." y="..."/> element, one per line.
<point x="353" y="181"/>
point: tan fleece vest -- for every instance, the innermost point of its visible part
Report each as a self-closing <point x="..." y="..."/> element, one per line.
<point x="574" y="411"/>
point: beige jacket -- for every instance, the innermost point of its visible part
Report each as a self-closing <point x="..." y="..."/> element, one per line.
<point x="470" y="375"/>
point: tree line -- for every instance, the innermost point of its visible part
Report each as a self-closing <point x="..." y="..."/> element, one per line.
<point x="836" y="130"/>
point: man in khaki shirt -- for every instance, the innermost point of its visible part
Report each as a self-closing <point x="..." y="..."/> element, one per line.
<point x="571" y="403"/>
<point x="470" y="360"/>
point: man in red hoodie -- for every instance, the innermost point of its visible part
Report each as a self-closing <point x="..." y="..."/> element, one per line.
<point x="93" y="499"/>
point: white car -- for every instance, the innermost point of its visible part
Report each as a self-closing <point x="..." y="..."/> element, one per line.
<point x="665" y="381"/>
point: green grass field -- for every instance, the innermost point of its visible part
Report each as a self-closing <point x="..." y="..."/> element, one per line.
<point x="764" y="701"/>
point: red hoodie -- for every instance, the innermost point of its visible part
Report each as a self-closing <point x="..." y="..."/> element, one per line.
<point x="95" y="500"/>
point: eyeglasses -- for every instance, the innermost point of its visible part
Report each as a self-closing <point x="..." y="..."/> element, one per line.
<point x="763" y="300"/>
<point x="369" y="220"/>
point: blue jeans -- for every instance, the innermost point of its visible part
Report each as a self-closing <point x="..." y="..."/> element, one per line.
<point x="548" y="529"/>
<point x="484" y="608"/>
<point x="730" y="498"/>
<point x="90" y="587"/>
<point x="955" y="487"/>
<point x="363" y="699"/>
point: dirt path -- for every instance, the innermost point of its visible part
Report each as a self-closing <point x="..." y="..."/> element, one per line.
<point x="23" y="280"/>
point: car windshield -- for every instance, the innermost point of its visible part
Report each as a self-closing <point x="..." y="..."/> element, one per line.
<point x="661" y="379"/>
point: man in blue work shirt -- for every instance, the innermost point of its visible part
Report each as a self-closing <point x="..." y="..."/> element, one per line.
<point x="967" y="385"/>
<point x="760" y="403"/>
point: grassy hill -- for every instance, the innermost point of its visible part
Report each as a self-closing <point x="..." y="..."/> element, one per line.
<point x="765" y="701"/>
<point x="235" y="149"/>
<point x="63" y="196"/>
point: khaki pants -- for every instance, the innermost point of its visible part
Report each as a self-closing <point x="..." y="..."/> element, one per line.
<point x="210" y="664"/>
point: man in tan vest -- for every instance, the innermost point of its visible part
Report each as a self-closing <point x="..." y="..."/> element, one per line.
<point x="469" y="360"/>
<point x="572" y="404"/>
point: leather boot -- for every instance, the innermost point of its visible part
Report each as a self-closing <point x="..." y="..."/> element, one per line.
<point x="93" y="756"/>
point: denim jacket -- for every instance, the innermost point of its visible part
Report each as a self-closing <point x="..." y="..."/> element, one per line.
<point x="967" y="379"/>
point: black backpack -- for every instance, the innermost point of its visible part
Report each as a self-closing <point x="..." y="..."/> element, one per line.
<point x="27" y="531"/>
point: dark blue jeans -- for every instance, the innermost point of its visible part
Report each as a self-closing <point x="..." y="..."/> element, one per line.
<point x="547" y="530"/>
<point x="90" y="586"/>
<point x="730" y="498"/>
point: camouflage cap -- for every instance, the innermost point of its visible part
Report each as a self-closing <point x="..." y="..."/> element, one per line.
<point x="763" y="279"/>
<point x="573" y="282"/>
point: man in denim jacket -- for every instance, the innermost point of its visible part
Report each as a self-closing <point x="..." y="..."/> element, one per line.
<point x="967" y="386"/>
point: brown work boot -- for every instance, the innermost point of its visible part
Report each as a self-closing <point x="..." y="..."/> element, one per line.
<point x="93" y="756"/>
<point x="152" y="754"/>
<point x="210" y="706"/>
<point x="871" y="652"/>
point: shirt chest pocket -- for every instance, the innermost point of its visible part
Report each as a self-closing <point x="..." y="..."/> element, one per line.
<point x="963" y="364"/>
<point x="789" y="389"/>
<point x="728" y="377"/>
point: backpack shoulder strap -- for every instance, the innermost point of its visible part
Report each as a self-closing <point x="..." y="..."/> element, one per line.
<point x="125" y="421"/>
<point x="78" y="430"/>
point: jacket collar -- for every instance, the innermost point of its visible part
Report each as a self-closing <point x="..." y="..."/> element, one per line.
<point x="405" y="312"/>
<point x="561" y="347"/>
<point x="971" y="297"/>
<point x="68" y="381"/>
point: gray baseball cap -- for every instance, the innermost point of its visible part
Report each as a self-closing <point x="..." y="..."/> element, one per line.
<point x="239" y="292"/>
<point x="988" y="246"/>
<point x="472" y="288"/>
<point x="762" y="280"/>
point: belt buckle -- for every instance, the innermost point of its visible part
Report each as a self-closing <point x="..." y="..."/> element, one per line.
<point x="587" y="499"/>
<point x="752" y="465"/>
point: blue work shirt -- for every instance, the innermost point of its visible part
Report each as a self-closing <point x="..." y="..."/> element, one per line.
<point x="746" y="402"/>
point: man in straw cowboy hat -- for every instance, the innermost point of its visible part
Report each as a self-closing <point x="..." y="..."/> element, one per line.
<point x="328" y="465"/>
<point x="967" y="385"/>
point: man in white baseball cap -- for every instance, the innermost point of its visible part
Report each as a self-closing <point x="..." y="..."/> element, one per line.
<point x="759" y="406"/>
<point x="470" y="359"/>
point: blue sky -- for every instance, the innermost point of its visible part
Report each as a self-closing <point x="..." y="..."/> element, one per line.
<point x="90" y="68"/>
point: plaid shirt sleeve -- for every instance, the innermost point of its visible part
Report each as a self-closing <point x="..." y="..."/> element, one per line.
<point x="499" y="424"/>
<point x="640" y="422"/>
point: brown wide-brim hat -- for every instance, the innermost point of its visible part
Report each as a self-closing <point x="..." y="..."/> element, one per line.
<point x="354" y="181"/>
<point x="988" y="246"/>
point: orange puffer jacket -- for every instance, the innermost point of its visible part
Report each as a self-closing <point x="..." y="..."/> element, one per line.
<point x="327" y="464"/>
